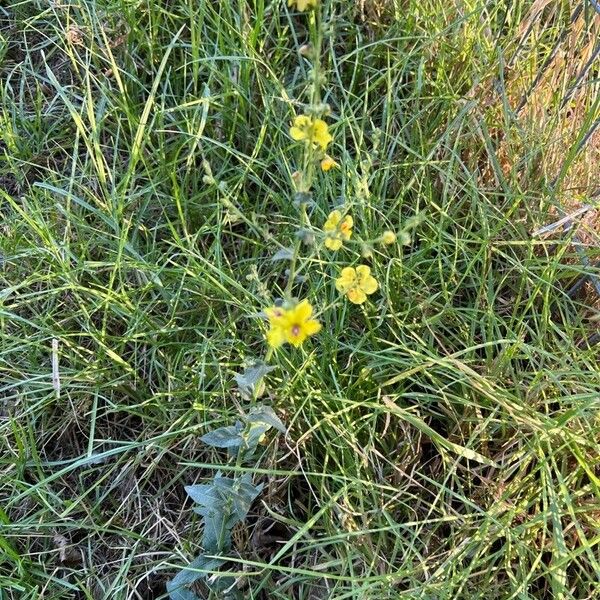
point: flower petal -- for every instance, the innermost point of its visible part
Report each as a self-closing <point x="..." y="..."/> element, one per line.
<point x="297" y="134"/>
<point x="356" y="295"/>
<point x="321" y="134"/>
<point x="346" y="227"/>
<point x="362" y="272"/>
<point x="274" y="314"/>
<point x="301" y="312"/>
<point x="311" y="327"/>
<point x="328" y="163"/>
<point x="333" y="243"/>
<point x="335" y="216"/>
<point x="295" y="335"/>
<point x="346" y="280"/>
<point x="275" y="337"/>
<point x="369" y="285"/>
<point x="302" y="121"/>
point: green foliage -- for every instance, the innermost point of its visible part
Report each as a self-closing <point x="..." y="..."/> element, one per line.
<point x="144" y="189"/>
<point x="250" y="382"/>
<point x="224" y="502"/>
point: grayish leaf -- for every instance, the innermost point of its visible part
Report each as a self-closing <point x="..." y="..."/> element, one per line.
<point x="250" y="380"/>
<point x="265" y="414"/>
<point x="198" y="569"/>
<point x="224" y="437"/>
<point x="283" y="254"/>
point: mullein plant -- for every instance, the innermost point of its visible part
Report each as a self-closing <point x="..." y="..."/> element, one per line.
<point x="225" y="501"/>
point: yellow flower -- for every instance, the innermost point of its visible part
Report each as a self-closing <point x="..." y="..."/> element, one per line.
<point x="275" y="335"/>
<point x="356" y="283"/>
<point x="302" y="4"/>
<point x="388" y="238"/>
<point x="328" y="163"/>
<point x="293" y="325"/>
<point x="337" y="229"/>
<point x="314" y="131"/>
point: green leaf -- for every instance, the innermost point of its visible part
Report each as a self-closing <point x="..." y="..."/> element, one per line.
<point x="265" y="414"/>
<point x="198" y="569"/>
<point x="215" y="536"/>
<point x="225" y="437"/>
<point x="182" y="594"/>
<point x="250" y="380"/>
<point x="252" y="436"/>
<point x="205" y="495"/>
<point x="283" y="254"/>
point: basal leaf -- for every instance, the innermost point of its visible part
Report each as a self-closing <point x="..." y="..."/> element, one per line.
<point x="198" y="569"/>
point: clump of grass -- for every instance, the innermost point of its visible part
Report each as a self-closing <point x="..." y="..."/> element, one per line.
<point x="442" y="442"/>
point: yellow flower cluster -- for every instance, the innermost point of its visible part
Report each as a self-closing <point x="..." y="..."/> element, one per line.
<point x="357" y="283"/>
<point x="291" y="325"/>
<point x="337" y="230"/>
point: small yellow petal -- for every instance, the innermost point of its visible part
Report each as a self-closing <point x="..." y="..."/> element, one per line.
<point x="362" y="272"/>
<point x="388" y="238"/>
<point x="302" y="4"/>
<point x="346" y="280"/>
<point x="346" y="227"/>
<point x="295" y="337"/>
<point x="313" y="326"/>
<point x="356" y="296"/>
<point x="333" y="243"/>
<point x="328" y="163"/>
<point x="274" y="313"/>
<point x="302" y="121"/>
<point x="333" y="220"/>
<point x="369" y="285"/>
<point x="275" y="337"/>
<point x="297" y="134"/>
<point x="321" y="134"/>
<point x="301" y="312"/>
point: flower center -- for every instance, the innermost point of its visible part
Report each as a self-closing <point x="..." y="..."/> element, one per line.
<point x="295" y="330"/>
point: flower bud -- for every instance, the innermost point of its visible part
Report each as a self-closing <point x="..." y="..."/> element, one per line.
<point x="328" y="163"/>
<point x="388" y="238"/>
<point x="366" y="251"/>
<point x="306" y="50"/>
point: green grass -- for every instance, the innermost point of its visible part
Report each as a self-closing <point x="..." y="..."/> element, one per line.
<point x="443" y="441"/>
